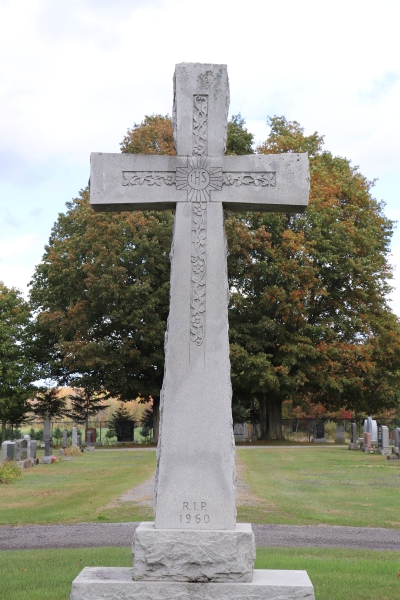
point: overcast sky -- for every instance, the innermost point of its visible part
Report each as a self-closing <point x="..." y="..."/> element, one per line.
<point x="75" y="74"/>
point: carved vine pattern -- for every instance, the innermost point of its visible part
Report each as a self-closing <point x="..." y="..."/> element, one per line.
<point x="198" y="284"/>
<point x="168" y="178"/>
<point x="200" y="125"/>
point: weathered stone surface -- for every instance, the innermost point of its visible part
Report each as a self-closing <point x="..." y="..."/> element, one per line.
<point x="74" y="436"/>
<point x="7" y="450"/>
<point x="64" y="443"/>
<point x="218" y="556"/>
<point x="46" y="460"/>
<point x="113" y="583"/>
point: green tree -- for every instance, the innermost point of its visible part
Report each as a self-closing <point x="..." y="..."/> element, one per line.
<point x="48" y="404"/>
<point x="239" y="140"/>
<point x="85" y="403"/>
<point x="308" y="315"/>
<point x="17" y="371"/>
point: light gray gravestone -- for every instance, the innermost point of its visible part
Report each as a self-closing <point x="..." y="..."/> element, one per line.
<point x="32" y="449"/>
<point x="339" y="437"/>
<point x="240" y="432"/>
<point x="194" y="498"/>
<point x="370" y="426"/>
<point x="79" y="439"/>
<point x="354" y="443"/>
<point x="74" y="436"/>
<point x="64" y="443"/>
<point x="18" y="450"/>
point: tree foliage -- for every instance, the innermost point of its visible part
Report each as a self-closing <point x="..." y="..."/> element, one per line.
<point x="49" y="404"/>
<point x="17" y="371"/>
<point x="85" y="403"/>
<point x="308" y="314"/>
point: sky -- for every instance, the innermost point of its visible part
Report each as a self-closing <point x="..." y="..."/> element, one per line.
<point x="76" y="74"/>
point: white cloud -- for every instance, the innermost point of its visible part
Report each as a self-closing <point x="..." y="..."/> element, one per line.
<point x="75" y="74"/>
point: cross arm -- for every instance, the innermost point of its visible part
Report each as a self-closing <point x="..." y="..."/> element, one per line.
<point x="127" y="182"/>
<point x="265" y="182"/>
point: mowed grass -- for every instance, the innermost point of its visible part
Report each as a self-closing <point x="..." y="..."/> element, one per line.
<point x="79" y="490"/>
<point x="333" y="486"/>
<point x="286" y="485"/>
<point x="335" y="574"/>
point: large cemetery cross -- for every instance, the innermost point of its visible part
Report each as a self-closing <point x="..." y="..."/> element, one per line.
<point x="195" y="482"/>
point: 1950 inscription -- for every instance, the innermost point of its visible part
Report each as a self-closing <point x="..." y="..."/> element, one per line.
<point x="194" y="513"/>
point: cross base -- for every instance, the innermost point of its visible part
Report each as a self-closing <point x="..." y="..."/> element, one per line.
<point x="115" y="583"/>
<point x="194" y="555"/>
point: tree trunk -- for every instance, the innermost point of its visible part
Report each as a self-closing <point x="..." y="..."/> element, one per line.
<point x="3" y="430"/>
<point x="274" y="419"/>
<point x="156" y="419"/>
<point x="263" y="418"/>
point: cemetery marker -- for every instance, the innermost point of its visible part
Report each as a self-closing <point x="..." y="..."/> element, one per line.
<point x="194" y="499"/>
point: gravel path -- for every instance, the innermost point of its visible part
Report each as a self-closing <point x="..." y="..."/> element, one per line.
<point x="92" y="535"/>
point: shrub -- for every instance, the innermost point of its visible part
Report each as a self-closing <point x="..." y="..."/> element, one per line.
<point x="330" y="430"/>
<point x="9" y="472"/>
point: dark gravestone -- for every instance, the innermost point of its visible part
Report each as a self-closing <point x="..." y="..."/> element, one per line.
<point x="47" y="447"/>
<point x="125" y="431"/>
<point x="353" y="444"/>
<point x="319" y="433"/>
<point x="11" y="451"/>
<point x="24" y="449"/>
<point x="380" y="439"/>
<point x="89" y="438"/>
<point x="92" y="431"/>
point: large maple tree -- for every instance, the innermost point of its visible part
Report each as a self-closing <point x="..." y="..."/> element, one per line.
<point x="308" y="313"/>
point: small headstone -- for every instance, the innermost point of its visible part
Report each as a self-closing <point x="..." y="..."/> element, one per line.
<point x="354" y="442"/>
<point x="79" y="439"/>
<point x="61" y="452"/>
<point x="24" y="449"/>
<point x="47" y="448"/>
<point x="240" y="432"/>
<point x="367" y="441"/>
<point x="92" y="431"/>
<point x="64" y="443"/>
<point x="396" y="439"/>
<point x="74" y="436"/>
<point x="339" y="438"/>
<point x="370" y="426"/>
<point x="32" y="448"/>
<point x="319" y="433"/>
<point x="18" y="450"/>
<point x="7" y="451"/>
<point x="46" y="460"/>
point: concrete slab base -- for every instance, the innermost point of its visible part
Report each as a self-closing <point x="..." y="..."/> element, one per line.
<point x="354" y="446"/>
<point x="194" y="555"/>
<point x="115" y="583"/>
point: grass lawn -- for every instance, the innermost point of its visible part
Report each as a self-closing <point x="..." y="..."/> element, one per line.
<point x="77" y="491"/>
<point x="287" y="485"/>
<point x="325" y="485"/>
<point x="335" y="574"/>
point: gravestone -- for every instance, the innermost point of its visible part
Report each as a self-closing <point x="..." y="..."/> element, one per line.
<point x="125" y="430"/>
<point x="319" y="433"/>
<point x="32" y="449"/>
<point x="79" y="440"/>
<point x="339" y="437"/>
<point x="370" y="426"/>
<point x="396" y="439"/>
<point x="47" y="448"/>
<point x="89" y="446"/>
<point x="93" y="435"/>
<point x="18" y="450"/>
<point x="240" y="432"/>
<point x="195" y="549"/>
<point x="384" y="440"/>
<point x="46" y="431"/>
<point x="354" y="442"/>
<point x="74" y="436"/>
<point x="7" y="451"/>
<point x="64" y="443"/>
<point x="367" y="441"/>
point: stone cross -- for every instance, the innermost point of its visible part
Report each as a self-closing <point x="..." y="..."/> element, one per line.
<point x="195" y="480"/>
